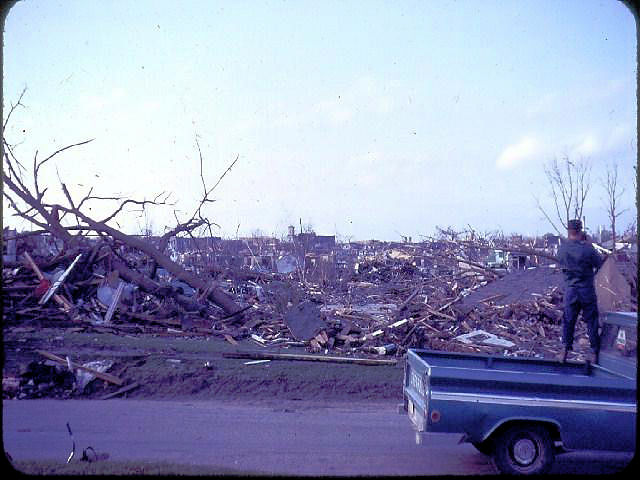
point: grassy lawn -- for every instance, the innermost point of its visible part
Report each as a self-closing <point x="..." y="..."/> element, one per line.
<point x="171" y="367"/>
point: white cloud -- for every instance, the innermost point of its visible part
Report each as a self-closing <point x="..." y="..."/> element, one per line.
<point x="517" y="153"/>
<point x="621" y="137"/>
<point x="574" y="97"/>
<point x="615" y="140"/>
<point x="588" y="146"/>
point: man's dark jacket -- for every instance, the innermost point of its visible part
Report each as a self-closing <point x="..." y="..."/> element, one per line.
<point x="580" y="262"/>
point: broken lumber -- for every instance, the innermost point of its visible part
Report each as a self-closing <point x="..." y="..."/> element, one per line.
<point x="103" y="376"/>
<point x="58" y="282"/>
<point x="229" y="339"/>
<point x="440" y="314"/>
<point x="114" y="302"/>
<point x="406" y="303"/>
<point x="59" y="299"/>
<point x="493" y="297"/>
<point x="124" y="389"/>
<point x="309" y="358"/>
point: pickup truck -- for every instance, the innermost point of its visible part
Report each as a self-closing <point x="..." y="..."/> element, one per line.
<point x="525" y="411"/>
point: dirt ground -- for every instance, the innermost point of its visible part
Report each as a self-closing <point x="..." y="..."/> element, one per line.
<point x="175" y="367"/>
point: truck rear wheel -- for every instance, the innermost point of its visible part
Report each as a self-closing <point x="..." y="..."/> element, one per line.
<point x="524" y="450"/>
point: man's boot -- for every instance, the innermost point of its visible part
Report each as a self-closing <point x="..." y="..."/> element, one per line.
<point x="562" y="356"/>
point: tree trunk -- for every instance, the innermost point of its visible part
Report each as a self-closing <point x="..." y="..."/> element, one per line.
<point x="216" y="295"/>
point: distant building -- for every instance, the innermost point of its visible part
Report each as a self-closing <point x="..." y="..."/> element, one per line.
<point x="189" y="244"/>
<point x="552" y="243"/>
<point x="320" y="268"/>
<point x="316" y="243"/>
<point x="9" y="245"/>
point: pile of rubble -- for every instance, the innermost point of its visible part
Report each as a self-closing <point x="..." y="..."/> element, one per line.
<point x="384" y="306"/>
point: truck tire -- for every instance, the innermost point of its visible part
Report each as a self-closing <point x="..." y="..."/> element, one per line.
<point x="524" y="450"/>
<point x="485" y="447"/>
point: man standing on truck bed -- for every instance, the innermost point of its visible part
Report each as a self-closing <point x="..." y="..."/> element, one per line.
<point x="580" y="262"/>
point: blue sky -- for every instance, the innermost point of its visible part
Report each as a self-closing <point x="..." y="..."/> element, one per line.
<point x="365" y="119"/>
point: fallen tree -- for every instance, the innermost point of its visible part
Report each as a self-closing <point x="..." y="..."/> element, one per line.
<point x="71" y="223"/>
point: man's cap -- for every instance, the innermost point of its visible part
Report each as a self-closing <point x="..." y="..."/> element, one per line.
<point x="575" y="225"/>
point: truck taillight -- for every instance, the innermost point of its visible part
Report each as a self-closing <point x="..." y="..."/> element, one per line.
<point x="621" y="339"/>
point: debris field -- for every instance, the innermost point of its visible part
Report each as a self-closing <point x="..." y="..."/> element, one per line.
<point x="383" y="298"/>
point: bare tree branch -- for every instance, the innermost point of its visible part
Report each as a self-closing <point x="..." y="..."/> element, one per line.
<point x="7" y="160"/>
<point x="569" y="187"/>
<point x="60" y="150"/>
<point x="130" y="201"/>
<point x="85" y="198"/>
<point x="48" y="216"/>
<point x="13" y="107"/>
<point x="614" y="194"/>
<point x="543" y="211"/>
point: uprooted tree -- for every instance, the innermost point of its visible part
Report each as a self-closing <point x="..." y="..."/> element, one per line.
<point x="70" y="222"/>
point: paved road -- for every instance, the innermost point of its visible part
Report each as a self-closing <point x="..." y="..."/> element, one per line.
<point x="299" y="438"/>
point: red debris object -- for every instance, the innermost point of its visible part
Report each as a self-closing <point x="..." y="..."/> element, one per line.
<point x="42" y="287"/>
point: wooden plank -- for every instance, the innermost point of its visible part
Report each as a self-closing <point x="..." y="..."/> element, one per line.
<point x="58" y="282"/>
<point x="344" y="338"/>
<point x="309" y="358"/>
<point x="440" y="314"/>
<point x="230" y="339"/>
<point x="493" y="297"/>
<point x="124" y="389"/>
<point x="58" y="299"/>
<point x="152" y="319"/>
<point x="114" y="302"/>
<point x="16" y="288"/>
<point x="103" y="376"/>
<point x="413" y="295"/>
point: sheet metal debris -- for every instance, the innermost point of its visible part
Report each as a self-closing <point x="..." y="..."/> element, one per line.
<point x="304" y="321"/>
<point x="480" y="336"/>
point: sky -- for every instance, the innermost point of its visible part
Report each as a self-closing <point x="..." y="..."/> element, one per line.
<point x="361" y="119"/>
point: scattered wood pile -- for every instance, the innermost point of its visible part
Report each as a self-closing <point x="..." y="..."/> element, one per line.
<point x="385" y="306"/>
<point x="88" y="289"/>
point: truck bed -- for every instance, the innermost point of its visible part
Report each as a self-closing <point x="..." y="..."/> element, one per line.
<point x="483" y="390"/>
<point x="458" y="372"/>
